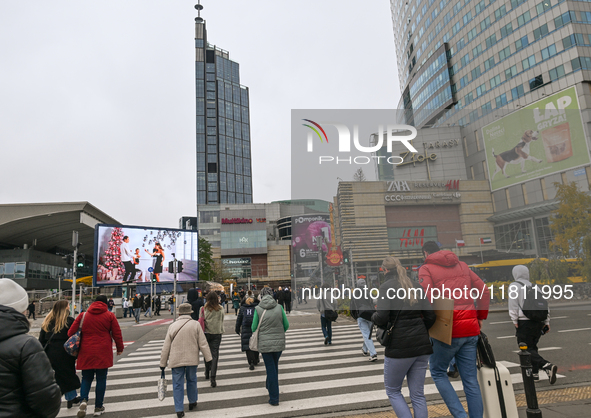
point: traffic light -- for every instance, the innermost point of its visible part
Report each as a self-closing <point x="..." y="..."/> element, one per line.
<point x="153" y="278"/>
<point x="81" y="261"/>
<point x="346" y="259"/>
<point x="171" y="266"/>
<point x="68" y="259"/>
<point x="179" y="266"/>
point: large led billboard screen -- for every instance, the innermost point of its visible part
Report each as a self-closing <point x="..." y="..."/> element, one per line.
<point x="138" y="254"/>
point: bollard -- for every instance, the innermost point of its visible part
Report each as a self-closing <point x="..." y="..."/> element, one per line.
<point x="529" y="385"/>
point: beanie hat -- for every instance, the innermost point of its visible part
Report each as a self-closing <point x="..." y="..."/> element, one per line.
<point x="185" y="309"/>
<point x="13" y="295"/>
<point x="361" y="283"/>
<point x="520" y="272"/>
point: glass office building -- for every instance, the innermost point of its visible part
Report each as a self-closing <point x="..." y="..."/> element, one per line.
<point x="481" y="65"/>
<point x="224" y="168"/>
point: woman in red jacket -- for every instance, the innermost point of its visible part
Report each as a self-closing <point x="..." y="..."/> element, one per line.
<point x="96" y="350"/>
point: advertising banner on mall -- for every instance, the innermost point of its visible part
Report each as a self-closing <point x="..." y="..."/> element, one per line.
<point x="307" y="232"/>
<point x="137" y="254"/>
<point x="543" y="138"/>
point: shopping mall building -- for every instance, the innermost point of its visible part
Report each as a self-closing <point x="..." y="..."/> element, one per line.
<point x="254" y="240"/>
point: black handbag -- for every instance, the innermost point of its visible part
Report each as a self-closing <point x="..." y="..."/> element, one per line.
<point x="330" y="315"/>
<point x="384" y="335"/>
<point x="485" y="353"/>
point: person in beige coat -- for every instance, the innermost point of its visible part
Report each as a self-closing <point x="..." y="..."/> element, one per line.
<point x="180" y="352"/>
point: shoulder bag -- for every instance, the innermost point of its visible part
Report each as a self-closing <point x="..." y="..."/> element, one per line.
<point x="384" y="335"/>
<point x="485" y="353"/>
<point x="72" y="346"/>
<point x="329" y="314"/>
<point x="201" y="319"/>
<point x="253" y="343"/>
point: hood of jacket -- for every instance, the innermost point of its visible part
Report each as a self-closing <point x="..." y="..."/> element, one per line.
<point x="521" y="273"/>
<point x="268" y="302"/>
<point x="97" y="308"/>
<point x="13" y="323"/>
<point x="361" y="283"/>
<point x="442" y="258"/>
<point x="192" y="295"/>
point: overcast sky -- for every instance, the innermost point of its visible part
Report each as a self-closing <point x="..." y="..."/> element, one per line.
<point x="97" y="99"/>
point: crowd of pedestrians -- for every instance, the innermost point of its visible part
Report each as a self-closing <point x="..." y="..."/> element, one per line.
<point x="34" y="387"/>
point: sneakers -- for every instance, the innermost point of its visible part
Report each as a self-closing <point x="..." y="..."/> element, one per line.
<point x="99" y="411"/>
<point x="373" y="358"/>
<point x="82" y="410"/>
<point x="76" y="400"/>
<point x="365" y="353"/>
<point x="536" y="377"/>
<point x="192" y="406"/>
<point x="551" y="370"/>
<point x="455" y="373"/>
<point x="326" y="341"/>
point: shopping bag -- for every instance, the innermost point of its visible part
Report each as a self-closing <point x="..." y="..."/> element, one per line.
<point x="162" y="387"/>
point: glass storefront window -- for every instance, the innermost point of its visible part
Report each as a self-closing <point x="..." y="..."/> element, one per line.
<point x="544" y="236"/>
<point x="516" y="236"/>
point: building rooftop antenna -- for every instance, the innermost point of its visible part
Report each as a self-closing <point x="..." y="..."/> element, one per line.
<point x="199" y="7"/>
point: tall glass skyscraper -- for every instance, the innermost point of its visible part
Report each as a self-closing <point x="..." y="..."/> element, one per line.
<point x="224" y="170"/>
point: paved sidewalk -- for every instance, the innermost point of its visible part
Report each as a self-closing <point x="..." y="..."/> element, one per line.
<point x="554" y="403"/>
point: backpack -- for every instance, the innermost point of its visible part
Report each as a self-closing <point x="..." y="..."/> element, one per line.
<point x="534" y="308"/>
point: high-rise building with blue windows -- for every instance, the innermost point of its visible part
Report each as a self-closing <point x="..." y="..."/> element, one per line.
<point x="224" y="170"/>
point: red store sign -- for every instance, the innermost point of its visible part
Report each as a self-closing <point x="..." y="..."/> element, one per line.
<point x="236" y="220"/>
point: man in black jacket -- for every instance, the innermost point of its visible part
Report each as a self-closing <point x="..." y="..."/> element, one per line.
<point x="137" y="306"/>
<point x="28" y="387"/>
<point x="157" y="305"/>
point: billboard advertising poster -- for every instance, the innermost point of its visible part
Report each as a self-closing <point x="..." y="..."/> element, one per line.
<point x="136" y="254"/>
<point x="543" y="138"/>
<point x="305" y="229"/>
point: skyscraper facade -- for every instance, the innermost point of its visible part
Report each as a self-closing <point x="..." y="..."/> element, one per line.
<point x="507" y="73"/>
<point x="224" y="169"/>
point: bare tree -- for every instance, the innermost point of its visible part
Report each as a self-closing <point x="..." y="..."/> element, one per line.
<point x="359" y="175"/>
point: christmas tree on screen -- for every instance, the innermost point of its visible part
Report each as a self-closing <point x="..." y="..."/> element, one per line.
<point x="113" y="252"/>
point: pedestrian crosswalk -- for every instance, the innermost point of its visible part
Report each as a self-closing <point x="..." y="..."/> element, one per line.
<point x="313" y="378"/>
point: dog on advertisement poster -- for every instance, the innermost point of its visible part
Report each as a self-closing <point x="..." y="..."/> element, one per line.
<point x="517" y="155"/>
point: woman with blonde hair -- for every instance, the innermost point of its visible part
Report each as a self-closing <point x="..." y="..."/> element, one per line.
<point x="53" y="335"/>
<point x="213" y="314"/>
<point x="402" y="309"/>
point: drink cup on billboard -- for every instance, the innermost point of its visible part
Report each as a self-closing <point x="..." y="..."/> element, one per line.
<point x="557" y="143"/>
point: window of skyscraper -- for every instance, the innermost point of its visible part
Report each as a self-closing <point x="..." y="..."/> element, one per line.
<point x="563" y="19"/>
<point x="489" y="63"/>
<point x="541" y="31"/>
<point x="556" y="73"/>
<point x="491" y="40"/>
<point x="500" y="100"/>
<point x="543" y="6"/>
<point x="510" y="72"/>
<point x="476" y="73"/>
<point x="528" y="62"/>
<point x="507" y="29"/>
<point x="504" y="53"/>
<point x="523" y="19"/>
<point x="548" y="52"/>
<point x="495" y="81"/>
<point x="521" y="43"/>
<point x="536" y="82"/>
<point x="500" y="12"/>
<point x="485" y="23"/>
<point x="480" y="90"/>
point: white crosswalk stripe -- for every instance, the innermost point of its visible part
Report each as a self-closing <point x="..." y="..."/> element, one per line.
<point x="313" y="378"/>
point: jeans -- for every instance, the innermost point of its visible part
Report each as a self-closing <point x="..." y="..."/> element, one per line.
<point x="326" y="328"/>
<point x="414" y="368"/>
<point x="124" y="312"/>
<point x="70" y="395"/>
<point x="101" y="385"/>
<point x="214" y="341"/>
<point x="148" y="312"/>
<point x="529" y="332"/>
<point x="136" y="313"/>
<point x="178" y="381"/>
<point x="464" y="351"/>
<point x="272" y="366"/>
<point x="365" y="327"/>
